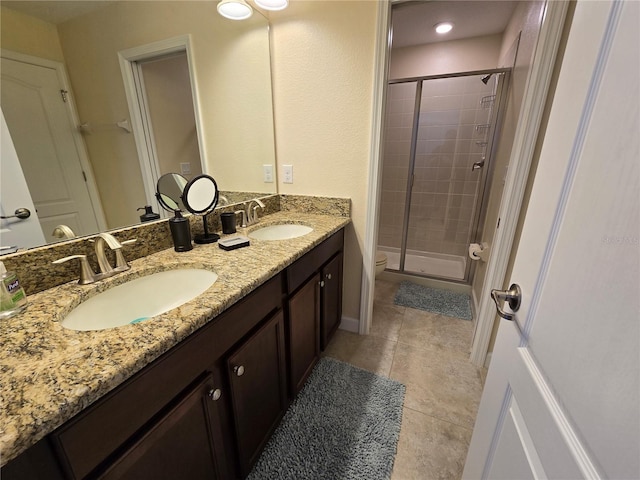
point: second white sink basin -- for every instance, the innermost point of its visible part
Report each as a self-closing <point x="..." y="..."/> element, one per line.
<point x="139" y="299"/>
<point x="283" y="231"/>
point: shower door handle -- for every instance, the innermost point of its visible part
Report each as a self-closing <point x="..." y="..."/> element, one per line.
<point x="477" y="165"/>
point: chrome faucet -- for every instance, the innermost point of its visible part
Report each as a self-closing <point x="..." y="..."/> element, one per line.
<point x="252" y="213"/>
<point x="87" y="275"/>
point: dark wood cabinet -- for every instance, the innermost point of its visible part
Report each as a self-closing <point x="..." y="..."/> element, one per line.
<point x="304" y="332"/>
<point x="257" y="376"/>
<point x="314" y="284"/>
<point x="206" y="408"/>
<point x="180" y="444"/>
<point x="331" y="299"/>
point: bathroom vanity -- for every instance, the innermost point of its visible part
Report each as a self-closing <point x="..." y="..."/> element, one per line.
<point x="206" y="406"/>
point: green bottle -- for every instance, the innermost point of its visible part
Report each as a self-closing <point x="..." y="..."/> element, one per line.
<point x="12" y="296"/>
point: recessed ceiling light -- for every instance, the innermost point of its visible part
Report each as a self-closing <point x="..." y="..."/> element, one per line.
<point x="443" y="27"/>
<point x="235" y="9"/>
<point x="272" y="4"/>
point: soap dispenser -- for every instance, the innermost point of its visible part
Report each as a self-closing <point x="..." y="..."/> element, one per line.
<point x="180" y="232"/>
<point x="12" y="296"/>
<point x="148" y="214"/>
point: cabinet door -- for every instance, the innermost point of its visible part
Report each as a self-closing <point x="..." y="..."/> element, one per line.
<point x="258" y="389"/>
<point x="304" y="332"/>
<point x="179" y="445"/>
<point x="331" y="312"/>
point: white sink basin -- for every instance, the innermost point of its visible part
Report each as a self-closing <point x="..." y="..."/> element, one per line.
<point x="139" y="299"/>
<point x="282" y="231"/>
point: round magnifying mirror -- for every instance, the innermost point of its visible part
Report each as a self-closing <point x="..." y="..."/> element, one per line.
<point x="169" y="190"/>
<point x="200" y="196"/>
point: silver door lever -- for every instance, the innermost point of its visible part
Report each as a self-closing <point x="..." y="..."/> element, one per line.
<point x="20" y="213"/>
<point x="513" y="297"/>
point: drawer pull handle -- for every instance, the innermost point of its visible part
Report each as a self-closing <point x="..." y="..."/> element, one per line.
<point x="238" y="370"/>
<point x="328" y="275"/>
<point x="215" y="394"/>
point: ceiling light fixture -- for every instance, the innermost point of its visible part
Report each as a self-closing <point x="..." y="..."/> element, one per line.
<point x="443" y="27"/>
<point x="273" y="5"/>
<point x="235" y="9"/>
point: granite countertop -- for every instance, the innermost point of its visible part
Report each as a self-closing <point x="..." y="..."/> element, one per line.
<point x="50" y="373"/>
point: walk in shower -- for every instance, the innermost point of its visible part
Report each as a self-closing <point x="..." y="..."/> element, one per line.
<point x="440" y="133"/>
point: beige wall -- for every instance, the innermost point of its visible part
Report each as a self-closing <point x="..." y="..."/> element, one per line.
<point x="467" y="55"/>
<point x="323" y="67"/>
<point x="30" y="36"/>
<point x="170" y="102"/>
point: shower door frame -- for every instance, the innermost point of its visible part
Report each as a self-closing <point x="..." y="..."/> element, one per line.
<point x="497" y="115"/>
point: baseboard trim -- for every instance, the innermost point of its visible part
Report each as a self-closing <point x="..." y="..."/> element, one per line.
<point x="350" y="324"/>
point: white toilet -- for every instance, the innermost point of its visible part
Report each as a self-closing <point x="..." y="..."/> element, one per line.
<point x="381" y="262"/>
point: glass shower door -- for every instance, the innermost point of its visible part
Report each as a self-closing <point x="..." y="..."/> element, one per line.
<point x="399" y="121"/>
<point x="452" y="145"/>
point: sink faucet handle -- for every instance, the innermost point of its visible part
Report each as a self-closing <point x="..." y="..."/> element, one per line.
<point x="121" y="263"/>
<point x="86" y="273"/>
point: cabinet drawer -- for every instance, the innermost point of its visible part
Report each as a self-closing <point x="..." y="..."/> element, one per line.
<point x="90" y="437"/>
<point x="306" y="266"/>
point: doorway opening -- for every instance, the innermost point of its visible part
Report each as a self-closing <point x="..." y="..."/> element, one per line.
<point x="439" y="137"/>
<point x="163" y="105"/>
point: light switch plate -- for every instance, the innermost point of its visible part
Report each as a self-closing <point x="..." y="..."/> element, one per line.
<point x="287" y="174"/>
<point x="185" y="168"/>
<point x="267" y="171"/>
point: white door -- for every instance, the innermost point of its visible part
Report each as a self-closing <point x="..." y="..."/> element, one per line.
<point x="14" y="194"/>
<point x="562" y="396"/>
<point x="42" y="133"/>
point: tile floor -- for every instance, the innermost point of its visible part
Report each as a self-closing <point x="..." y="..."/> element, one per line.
<point x="429" y="353"/>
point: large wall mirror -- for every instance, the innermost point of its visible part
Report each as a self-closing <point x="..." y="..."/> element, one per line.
<point x="208" y="104"/>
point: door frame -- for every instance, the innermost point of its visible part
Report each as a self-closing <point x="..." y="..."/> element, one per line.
<point x="74" y="123"/>
<point x="535" y="95"/>
<point x="143" y="136"/>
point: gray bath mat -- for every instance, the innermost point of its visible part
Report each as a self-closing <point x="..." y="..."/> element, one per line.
<point x="344" y="424"/>
<point x="444" y="302"/>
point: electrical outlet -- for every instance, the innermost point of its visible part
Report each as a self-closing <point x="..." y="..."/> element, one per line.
<point x="267" y="171"/>
<point x="185" y="168"/>
<point x="287" y="171"/>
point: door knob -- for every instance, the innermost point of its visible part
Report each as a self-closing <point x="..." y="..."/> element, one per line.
<point x="20" y="213"/>
<point x="513" y="297"/>
<point x="238" y="370"/>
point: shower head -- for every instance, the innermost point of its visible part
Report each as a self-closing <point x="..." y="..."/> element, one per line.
<point x="486" y="78"/>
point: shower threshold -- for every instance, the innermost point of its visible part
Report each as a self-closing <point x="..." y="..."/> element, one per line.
<point x="426" y="263"/>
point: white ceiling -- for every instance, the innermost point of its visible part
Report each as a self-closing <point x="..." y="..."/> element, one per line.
<point x="54" y="11"/>
<point x="413" y="21"/>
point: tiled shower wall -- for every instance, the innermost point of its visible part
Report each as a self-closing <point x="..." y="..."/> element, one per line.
<point x="453" y="127"/>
